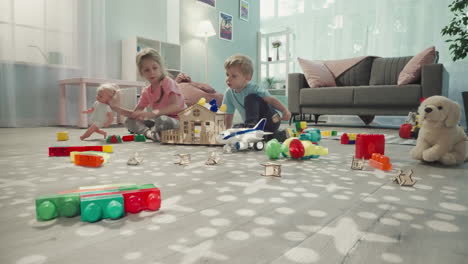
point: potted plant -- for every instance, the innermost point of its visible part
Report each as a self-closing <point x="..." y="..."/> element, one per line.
<point x="457" y="30"/>
<point x="276" y="44"/>
<point x="269" y="81"/>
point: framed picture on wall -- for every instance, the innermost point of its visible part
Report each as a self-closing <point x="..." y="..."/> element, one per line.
<point x="244" y="10"/>
<point x="225" y="26"/>
<point x="211" y="3"/>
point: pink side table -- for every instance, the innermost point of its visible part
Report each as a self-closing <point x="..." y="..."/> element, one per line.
<point x="82" y="84"/>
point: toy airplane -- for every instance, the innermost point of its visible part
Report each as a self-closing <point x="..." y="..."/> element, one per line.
<point x="244" y="138"/>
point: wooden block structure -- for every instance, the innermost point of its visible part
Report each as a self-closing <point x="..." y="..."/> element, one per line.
<point x="272" y="169"/>
<point x="366" y="144"/>
<point x="404" y="178"/>
<point x="380" y="162"/>
<point x="184" y="159"/>
<point x="213" y="159"/>
<point x="357" y="164"/>
<point x="197" y="126"/>
<point x="65" y="151"/>
<point x="62" y="136"/>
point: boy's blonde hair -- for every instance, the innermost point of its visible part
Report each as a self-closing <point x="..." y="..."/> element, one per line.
<point x="242" y="61"/>
<point x="149" y="53"/>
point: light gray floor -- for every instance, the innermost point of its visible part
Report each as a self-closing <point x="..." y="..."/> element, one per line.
<point x="320" y="211"/>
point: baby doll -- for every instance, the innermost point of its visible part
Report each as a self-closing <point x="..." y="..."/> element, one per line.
<point x="102" y="115"/>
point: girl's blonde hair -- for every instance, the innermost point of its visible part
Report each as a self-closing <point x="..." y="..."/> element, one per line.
<point x="149" y="53"/>
<point x="111" y="88"/>
<point x="243" y="62"/>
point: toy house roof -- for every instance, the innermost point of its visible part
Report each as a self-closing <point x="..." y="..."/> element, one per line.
<point x="193" y="107"/>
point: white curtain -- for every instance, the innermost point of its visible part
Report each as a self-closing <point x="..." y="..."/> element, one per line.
<point x="42" y="42"/>
<point x="338" y="29"/>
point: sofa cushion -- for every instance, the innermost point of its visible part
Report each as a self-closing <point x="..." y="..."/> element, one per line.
<point x="357" y="75"/>
<point x="385" y="71"/>
<point x="411" y="73"/>
<point x="336" y="96"/>
<point x="316" y="73"/>
<point x="387" y="95"/>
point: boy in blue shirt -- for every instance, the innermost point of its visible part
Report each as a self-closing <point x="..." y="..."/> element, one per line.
<point x="252" y="102"/>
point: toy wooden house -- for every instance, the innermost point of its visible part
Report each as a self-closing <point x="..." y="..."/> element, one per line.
<point x="197" y="126"/>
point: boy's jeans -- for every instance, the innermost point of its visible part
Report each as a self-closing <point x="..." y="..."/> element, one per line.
<point x="255" y="109"/>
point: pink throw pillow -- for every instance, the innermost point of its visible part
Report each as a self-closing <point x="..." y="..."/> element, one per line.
<point x="316" y="73"/>
<point x="412" y="70"/>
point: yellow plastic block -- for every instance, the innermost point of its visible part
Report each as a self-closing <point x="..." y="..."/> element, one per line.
<point x="107" y="148"/>
<point x="62" y="136"/>
<point x="303" y="124"/>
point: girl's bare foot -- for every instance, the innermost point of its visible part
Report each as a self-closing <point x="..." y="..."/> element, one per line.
<point x="83" y="137"/>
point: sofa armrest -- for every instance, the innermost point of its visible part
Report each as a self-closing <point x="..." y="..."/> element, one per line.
<point x="431" y="79"/>
<point x="296" y="81"/>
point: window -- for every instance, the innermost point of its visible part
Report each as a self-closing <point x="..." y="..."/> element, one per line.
<point x="39" y="31"/>
<point x="280" y="8"/>
<point x="196" y="112"/>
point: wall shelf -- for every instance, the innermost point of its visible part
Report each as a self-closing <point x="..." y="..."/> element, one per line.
<point x="274" y="62"/>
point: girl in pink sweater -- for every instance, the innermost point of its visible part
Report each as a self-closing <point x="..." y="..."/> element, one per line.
<point x="162" y="95"/>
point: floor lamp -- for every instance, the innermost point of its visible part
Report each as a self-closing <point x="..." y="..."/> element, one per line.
<point x="205" y="29"/>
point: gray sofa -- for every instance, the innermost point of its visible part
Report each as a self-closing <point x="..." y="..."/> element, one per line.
<point x="367" y="89"/>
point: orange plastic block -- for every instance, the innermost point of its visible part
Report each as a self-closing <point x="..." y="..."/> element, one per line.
<point x="380" y="161"/>
<point x="88" y="160"/>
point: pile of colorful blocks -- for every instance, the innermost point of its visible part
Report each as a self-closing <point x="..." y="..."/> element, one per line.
<point x="94" y="203"/>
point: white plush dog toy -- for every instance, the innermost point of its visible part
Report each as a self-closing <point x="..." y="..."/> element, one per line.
<point x="440" y="137"/>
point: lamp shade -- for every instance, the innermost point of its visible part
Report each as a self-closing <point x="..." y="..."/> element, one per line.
<point x="205" y="29"/>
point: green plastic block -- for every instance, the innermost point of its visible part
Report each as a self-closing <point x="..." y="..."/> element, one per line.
<point x="146" y="186"/>
<point x="106" y="185"/>
<point x="99" y="191"/>
<point x="334" y="133"/>
<point x="95" y="208"/>
<point x="51" y="206"/>
<point x="140" y="138"/>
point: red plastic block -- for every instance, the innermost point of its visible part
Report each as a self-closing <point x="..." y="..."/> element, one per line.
<point x="128" y="138"/>
<point x="65" y="151"/>
<point x="405" y="130"/>
<point x="344" y="139"/>
<point x="137" y="200"/>
<point x="380" y="161"/>
<point x="89" y="160"/>
<point x="366" y="144"/>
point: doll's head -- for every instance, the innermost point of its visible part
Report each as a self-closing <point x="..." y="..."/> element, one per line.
<point x="107" y="92"/>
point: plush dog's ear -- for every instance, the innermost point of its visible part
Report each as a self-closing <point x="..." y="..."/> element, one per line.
<point x="453" y="115"/>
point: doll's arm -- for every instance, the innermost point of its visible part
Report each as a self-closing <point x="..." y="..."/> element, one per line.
<point x="89" y="111"/>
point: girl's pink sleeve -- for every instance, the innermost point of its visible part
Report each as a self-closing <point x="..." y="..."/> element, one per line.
<point x="170" y="86"/>
<point x="143" y="102"/>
